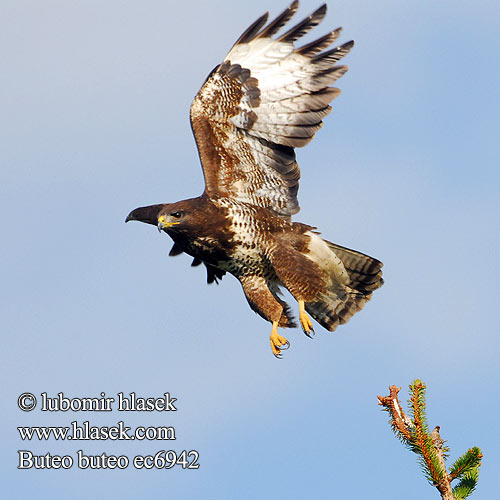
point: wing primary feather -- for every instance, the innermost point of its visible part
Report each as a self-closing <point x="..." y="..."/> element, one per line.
<point x="304" y="26"/>
<point x="318" y="45"/>
<point x="214" y="274"/>
<point x="333" y="55"/>
<point x="280" y="21"/>
<point x="175" y="250"/>
<point x="249" y="34"/>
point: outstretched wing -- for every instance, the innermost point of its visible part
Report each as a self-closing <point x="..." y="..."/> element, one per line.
<point x="265" y="99"/>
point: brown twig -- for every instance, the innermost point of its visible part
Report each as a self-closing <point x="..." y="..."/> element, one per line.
<point x="444" y="486"/>
<point x="399" y="420"/>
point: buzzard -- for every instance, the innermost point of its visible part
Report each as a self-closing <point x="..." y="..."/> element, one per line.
<point x="267" y="97"/>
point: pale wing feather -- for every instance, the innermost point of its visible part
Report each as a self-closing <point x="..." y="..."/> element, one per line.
<point x="265" y="99"/>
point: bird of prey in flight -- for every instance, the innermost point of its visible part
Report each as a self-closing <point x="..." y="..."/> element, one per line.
<point x="267" y="97"/>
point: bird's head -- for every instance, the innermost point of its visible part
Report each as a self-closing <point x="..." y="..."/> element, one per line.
<point x="172" y="217"/>
<point x="168" y="217"/>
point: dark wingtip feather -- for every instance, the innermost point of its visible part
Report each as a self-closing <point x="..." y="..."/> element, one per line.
<point x="175" y="250"/>
<point x="320" y="44"/>
<point x="250" y="33"/>
<point x="321" y="10"/>
<point x="335" y="54"/>
<point x="214" y="274"/>
<point x="280" y="21"/>
<point x="305" y="25"/>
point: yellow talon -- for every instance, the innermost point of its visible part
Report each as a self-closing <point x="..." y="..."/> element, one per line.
<point x="305" y="320"/>
<point x="278" y="343"/>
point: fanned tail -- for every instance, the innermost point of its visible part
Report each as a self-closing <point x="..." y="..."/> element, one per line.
<point x="347" y="292"/>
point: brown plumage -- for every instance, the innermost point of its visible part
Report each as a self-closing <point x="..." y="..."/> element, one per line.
<point x="266" y="98"/>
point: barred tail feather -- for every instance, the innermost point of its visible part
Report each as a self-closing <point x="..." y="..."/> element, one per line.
<point x="365" y="272"/>
<point x="353" y="277"/>
<point x="331" y="310"/>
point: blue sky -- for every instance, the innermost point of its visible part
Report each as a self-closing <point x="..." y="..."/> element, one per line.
<point x="95" y="99"/>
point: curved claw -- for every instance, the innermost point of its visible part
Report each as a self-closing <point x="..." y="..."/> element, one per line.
<point x="278" y="354"/>
<point x="276" y="348"/>
<point x="310" y="333"/>
<point x="278" y="343"/>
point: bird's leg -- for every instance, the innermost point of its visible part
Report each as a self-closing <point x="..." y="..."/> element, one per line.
<point x="262" y="301"/>
<point x="305" y="320"/>
<point x="278" y="343"/>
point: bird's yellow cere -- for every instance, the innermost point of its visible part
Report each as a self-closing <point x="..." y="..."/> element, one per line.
<point x="164" y="223"/>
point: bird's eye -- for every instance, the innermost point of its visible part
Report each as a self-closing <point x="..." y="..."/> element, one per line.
<point x="176" y="215"/>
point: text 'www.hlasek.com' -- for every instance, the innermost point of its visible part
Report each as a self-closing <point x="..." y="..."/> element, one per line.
<point x="84" y="430"/>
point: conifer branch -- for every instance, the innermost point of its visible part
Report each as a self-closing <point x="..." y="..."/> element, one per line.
<point x="414" y="433"/>
<point x="466" y="485"/>
<point x="467" y="462"/>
